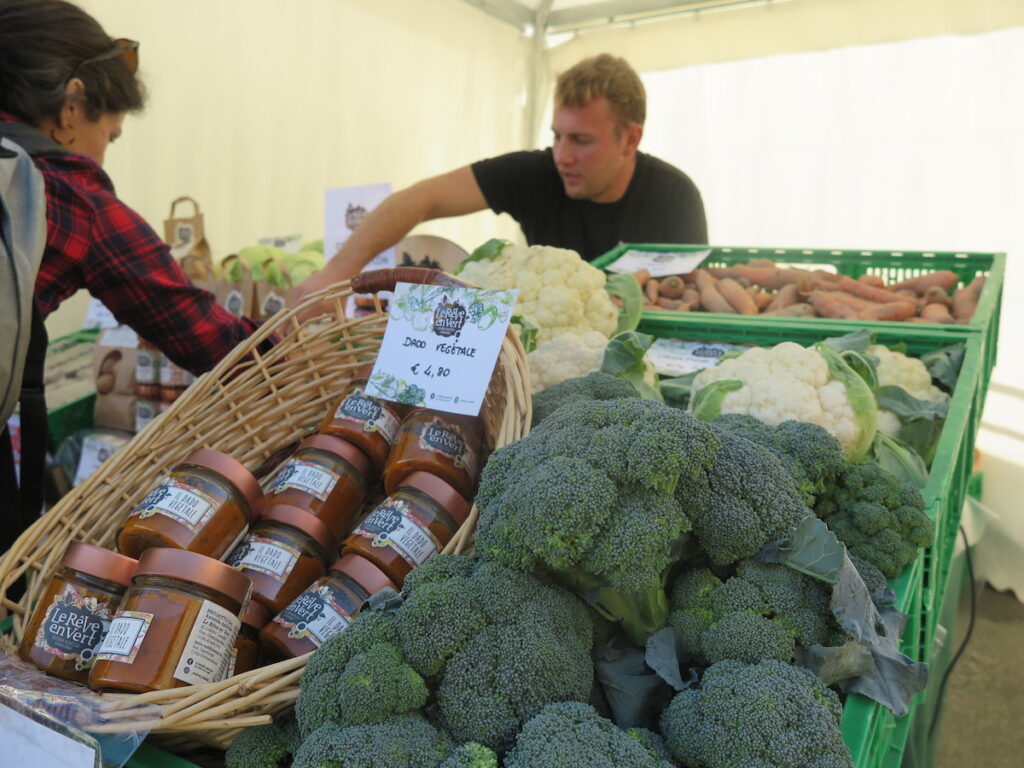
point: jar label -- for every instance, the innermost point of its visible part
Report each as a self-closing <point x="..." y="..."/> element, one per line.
<point x="178" y="501"/>
<point x="205" y="657"/>
<point x="265" y="556"/>
<point x="447" y="440"/>
<point x="73" y="627"/>
<point x="232" y="661"/>
<point x="146" y="366"/>
<point x="306" y="476"/>
<point x="397" y="525"/>
<point x="362" y="409"/>
<point x="315" y="614"/>
<point x="125" y="636"/>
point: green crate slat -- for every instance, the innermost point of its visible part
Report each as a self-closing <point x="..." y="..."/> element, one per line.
<point x="148" y="756"/>
<point x="68" y="419"/>
<point x="875" y="737"/>
<point x="890" y="265"/>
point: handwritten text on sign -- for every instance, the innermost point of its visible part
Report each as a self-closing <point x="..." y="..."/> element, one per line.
<point x="440" y="346"/>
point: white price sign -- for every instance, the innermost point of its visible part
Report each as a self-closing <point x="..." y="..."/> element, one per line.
<point x="440" y="346"/>
<point x="659" y="263"/>
<point x="674" y="357"/>
<point x="27" y="742"/>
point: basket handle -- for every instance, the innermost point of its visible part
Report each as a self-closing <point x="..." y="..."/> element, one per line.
<point x="378" y="280"/>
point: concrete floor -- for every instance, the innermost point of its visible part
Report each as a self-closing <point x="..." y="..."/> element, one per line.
<point x="983" y="721"/>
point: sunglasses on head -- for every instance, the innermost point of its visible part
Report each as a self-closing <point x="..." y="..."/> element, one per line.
<point x="127" y="50"/>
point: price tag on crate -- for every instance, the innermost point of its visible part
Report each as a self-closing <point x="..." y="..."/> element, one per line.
<point x="675" y="357"/>
<point x="27" y="741"/>
<point x="441" y="345"/>
<point x="659" y="263"/>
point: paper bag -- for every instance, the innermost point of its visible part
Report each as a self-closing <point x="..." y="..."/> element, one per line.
<point x="270" y="298"/>
<point x="187" y="234"/>
<point x="234" y="295"/>
<point x="114" y="361"/>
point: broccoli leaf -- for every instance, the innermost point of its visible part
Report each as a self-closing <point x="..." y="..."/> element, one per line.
<point x="662" y="653"/>
<point x="489" y="251"/>
<point x="624" y="286"/>
<point x="944" y="365"/>
<point x="858" y="341"/>
<point x="837" y="663"/>
<point x="677" y="390"/>
<point x="707" y="403"/>
<point x="907" y="407"/>
<point x="635" y="693"/>
<point x="900" y="459"/>
<point x="811" y="549"/>
<point x="624" y="357"/>
<point x="862" y="400"/>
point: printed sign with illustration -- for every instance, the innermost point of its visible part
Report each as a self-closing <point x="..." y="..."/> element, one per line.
<point x="344" y="211"/>
<point x="659" y="263"/>
<point x="440" y="346"/>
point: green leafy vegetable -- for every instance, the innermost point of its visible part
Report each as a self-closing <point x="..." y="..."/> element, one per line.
<point x="707" y="403"/>
<point x="527" y="332"/>
<point x="626" y="287"/>
<point x="624" y="357"/>
<point x="944" y="364"/>
<point x="486" y="252"/>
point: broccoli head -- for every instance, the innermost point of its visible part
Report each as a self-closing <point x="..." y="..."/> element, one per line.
<point x="573" y="735"/>
<point x="761" y="612"/>
<point x="877" y="516"/>
<point x="764" y="715"/>
<point x="811" y="454"/>
<point x="652" y="742"/>
<point x="378" y="684"/>
<point x="593" y="386"/>
<point x="263" y="746"/>
<point x="404" y="741"/>
<point x="589" y="496"/>
<point x="746" y="499"/>
<point x="471" y="755"/>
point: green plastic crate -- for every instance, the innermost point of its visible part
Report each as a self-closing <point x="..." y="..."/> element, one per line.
<point x="149" y="756"/>
<point x="889" y="265"/>
<point x="875" y="737"/>
<point x="67" y="419"/>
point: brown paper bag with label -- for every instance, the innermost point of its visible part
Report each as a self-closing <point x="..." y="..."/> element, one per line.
<point x="236" y="297"/>
<point x="113" y="367"/>
<point x="269" y="299"/>
<point x="187" y="234"/>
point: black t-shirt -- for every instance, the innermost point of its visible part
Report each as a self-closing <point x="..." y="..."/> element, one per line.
<point x="661" y="204"/>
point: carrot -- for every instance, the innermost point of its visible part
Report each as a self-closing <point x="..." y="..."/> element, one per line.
<point x="854" y="302"/>
<point x="896" y="310"/>
<point x="761" y="299"/>
<point x="739" y="299"/>
<point x="793" y="310"/>
<point x="651" y="291"/>
<point x="873" y="280"/>
<point x="692" y="297"/>
<point x="965" y="300"/>
<point x="937" y="313"/>
<point x="936" y="295"/>
<point x="942" y="278"/>
<point x="642" y="276"/>
<point x="710" y="298"/>
<point x="761" y="263"/>
<point x="786" y="296"/>
<point x="826" y="305"/>
<point x="766" y="277"/>
<point x="881" y="295"/>
<point x="671" y="287"/>
<point x="674" y="304"/>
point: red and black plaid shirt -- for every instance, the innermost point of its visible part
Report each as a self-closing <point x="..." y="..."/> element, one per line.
<point x="96" y="242"/>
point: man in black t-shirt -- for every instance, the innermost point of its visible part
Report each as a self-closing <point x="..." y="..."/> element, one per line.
<point x="590" y="191"/>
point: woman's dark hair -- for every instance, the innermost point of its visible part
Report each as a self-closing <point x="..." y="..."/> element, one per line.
<point x="43" y="43"/>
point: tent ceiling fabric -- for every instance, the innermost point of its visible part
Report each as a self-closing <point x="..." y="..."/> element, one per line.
<point x="574" y="14"/>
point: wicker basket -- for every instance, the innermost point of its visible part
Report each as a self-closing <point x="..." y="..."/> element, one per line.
<point x="254" y="402"/>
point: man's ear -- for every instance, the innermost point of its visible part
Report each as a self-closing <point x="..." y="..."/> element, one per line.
<point x="634" y="132"/>
<point x="74" y="104"/>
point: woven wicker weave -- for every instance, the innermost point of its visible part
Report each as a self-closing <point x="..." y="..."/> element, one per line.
<point x="249" y="406"/>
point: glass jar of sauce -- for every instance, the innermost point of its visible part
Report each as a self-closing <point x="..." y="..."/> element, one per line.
<point x="204" y="505"/>
<point x="325" y="609"/>
<point x="71" y="618"/>
<point x="325" y="476"/>
<point x="176" y="624"/>
<point x="413" y="524"/>
<point x="245" y="656"/>
<point x="444" y="444"/>
<point x="285" y="551"/>
<point x="369" y="423"/>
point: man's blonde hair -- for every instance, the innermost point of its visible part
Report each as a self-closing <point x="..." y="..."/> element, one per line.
<point x="608" y="76"/>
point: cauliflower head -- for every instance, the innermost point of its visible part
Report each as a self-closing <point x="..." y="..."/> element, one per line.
<point x="791" y="382"/>
<point x="895" y="368"/>
<point x="565" y="357"/>
<point x="558" y="291"/>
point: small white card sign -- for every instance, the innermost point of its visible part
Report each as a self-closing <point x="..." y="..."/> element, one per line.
<point x="440" y="346"/>
<point x="659" y="263"/>
<point x="344" y="210"/>
<point x="675" y="357"/>
<point x="286" y="243"/>
<point x="98" y="316"/>
<point x="27" y="742"/>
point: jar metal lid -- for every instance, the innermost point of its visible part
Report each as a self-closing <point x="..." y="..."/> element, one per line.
<point x="193" y="567"/>
<point x="256" y="615"/>
<point x="441" y="492"/>
<point x="362" y="373"/>
<point x="99" y="562"/>
<point x="230" y="469"/>
<point x="363" y="572"/>
<point x="340" y="447"/>
<point x="302" y="520"/>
